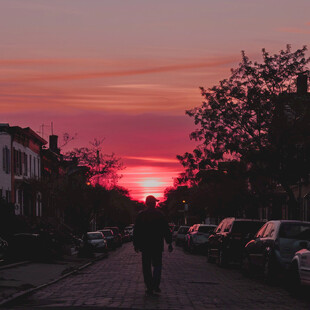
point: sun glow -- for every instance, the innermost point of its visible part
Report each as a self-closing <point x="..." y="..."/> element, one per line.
<point x="151" y="183"/>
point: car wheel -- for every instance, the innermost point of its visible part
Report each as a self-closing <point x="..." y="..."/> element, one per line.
<point x="210" y="259"/>
<point x="294" y="279"/>
<point x="269" y="271"/>
<point x="191" y="247"/>
<point x="221" y="258"/>
<point x="245" y="266"/>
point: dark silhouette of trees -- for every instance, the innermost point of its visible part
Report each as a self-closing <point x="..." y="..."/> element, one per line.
<point x="103" y="168"/>
<point x="255" y="116"/>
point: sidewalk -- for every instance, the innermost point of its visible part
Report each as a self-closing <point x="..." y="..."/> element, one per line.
<point x="19" y="279"/>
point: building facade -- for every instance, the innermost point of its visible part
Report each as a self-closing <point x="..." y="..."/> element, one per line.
<point x="21" y="168"/>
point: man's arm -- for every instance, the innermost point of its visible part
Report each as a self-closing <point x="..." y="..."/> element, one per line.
<point x="137" y="234"/>
<point x="168" y="235"/>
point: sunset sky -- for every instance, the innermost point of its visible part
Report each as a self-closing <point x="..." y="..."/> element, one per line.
<point x="127" y="70"/>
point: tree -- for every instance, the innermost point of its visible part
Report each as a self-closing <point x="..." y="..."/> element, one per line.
<point x="103" y="168"/>
<point x="237" y="119"/>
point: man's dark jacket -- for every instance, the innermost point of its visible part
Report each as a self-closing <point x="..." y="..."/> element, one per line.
<point x="150" y="230"/>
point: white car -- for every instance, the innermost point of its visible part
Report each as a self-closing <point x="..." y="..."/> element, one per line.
<point x="300" y="268"/>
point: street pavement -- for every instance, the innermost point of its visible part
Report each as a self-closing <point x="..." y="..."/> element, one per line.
<point x="188" y="282"/>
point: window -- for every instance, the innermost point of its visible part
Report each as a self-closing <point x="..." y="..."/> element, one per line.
<point x="34" y="167"/>
<point x="30" y="165"/>
<point x="39" y="167"/>
<point x="261" y="231"/>
<point x="206" y="229"/>
<point x="219" y="228"/>
<point x="298" y="231"/>
<point x="20" y="163"/>
<point x="246" y="226"/>
<point x="269" y="231"/>
<point x="25" y="164"/>
<point x="15" y="161"/>
<point x="6" y="160"/>
<point x="8" y="196"/>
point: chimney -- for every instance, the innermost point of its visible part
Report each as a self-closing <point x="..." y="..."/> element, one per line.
<point x="53" y="144"/>
<point x="302" y="84"/>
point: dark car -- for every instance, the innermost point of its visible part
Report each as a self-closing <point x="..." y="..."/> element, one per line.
<point x="3" y="248"/>
<point x="109" y="236"/>
<point x="96" y="241"/>
<point x="274" y="246"/>
<point x="30" y="246"/>
<point x="180" y="236"/>
<point x="231" y="235"/>
<point x="197" y="237"/>
<point x="117" y="235"/>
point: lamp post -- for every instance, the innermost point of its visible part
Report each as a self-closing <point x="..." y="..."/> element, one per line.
<point x="185" y="211"/>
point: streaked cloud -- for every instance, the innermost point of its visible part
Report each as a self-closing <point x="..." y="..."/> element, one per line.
<point x="63" y="76"/>
<point x="294" y="30"/>
<point x="153" y="159"/>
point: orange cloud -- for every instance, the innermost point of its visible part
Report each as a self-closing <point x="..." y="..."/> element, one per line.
<point x="119" y="73"/>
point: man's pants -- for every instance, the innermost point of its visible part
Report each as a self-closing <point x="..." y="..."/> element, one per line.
<point x="149" y="258"/>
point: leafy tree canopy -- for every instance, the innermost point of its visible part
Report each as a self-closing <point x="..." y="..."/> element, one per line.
<point x="103" y="168"/>
<point x="237" y="116"/>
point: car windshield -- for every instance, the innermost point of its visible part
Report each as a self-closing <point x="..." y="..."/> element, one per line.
<point x="206" y="229"/>
<point x="114" y="229"/>
<point x="183" y="230"/>
<point x="107" y="233"/>
<point x="93" y="236"/>
<point x="298" y="231"/>
<point x="246" y="226"/>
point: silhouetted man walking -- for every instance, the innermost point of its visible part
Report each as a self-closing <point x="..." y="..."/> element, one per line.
<point x="151" y="228"/>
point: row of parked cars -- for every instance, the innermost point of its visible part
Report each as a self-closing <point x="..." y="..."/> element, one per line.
<point x="48" y="245"/>
<point x="270" y="248"/>
<point x="105" y="239"/>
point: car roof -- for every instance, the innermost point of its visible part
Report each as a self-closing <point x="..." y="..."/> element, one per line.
<point x="289" y="221"/>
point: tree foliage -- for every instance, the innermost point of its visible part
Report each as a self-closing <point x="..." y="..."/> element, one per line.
<point x="103" y="168"/>
<point x="236" y="120"/>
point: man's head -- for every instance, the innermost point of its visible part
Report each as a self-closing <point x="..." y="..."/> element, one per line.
<point x="151" y="201"/>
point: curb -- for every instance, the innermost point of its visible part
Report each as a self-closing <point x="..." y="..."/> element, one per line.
<point x="14" y="265"/>
<point x="32" y="290"/>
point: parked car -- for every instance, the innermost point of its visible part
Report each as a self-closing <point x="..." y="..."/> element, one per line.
<point x="117" y="235"/>
<point x="129" y="229"/>
<point x="197" y="237"/>
<point x="96" y="241"/>
<point x="125" y="236"/>
<point x="180" y="236"/>
<point x="231" y="235"/>
<point x="3" y="248"/>
<point x="274" y="247"/>
<point x="109" y="236"/>
<point x="30" y="246"/>
<point x="300" y="269"/>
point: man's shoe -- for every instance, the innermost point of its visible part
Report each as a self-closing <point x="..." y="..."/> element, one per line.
<point x="149" y="293"/>
<point x="157" y="290"/>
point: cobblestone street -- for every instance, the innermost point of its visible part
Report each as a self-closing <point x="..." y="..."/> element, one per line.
<point x="188" y="282"/>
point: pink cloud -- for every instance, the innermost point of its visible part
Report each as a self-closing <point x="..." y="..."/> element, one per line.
<point x="295" y="30"/>
<point x="63" y="76"/>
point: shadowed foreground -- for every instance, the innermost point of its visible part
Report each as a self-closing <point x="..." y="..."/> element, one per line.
<point x="188" y="282"/>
